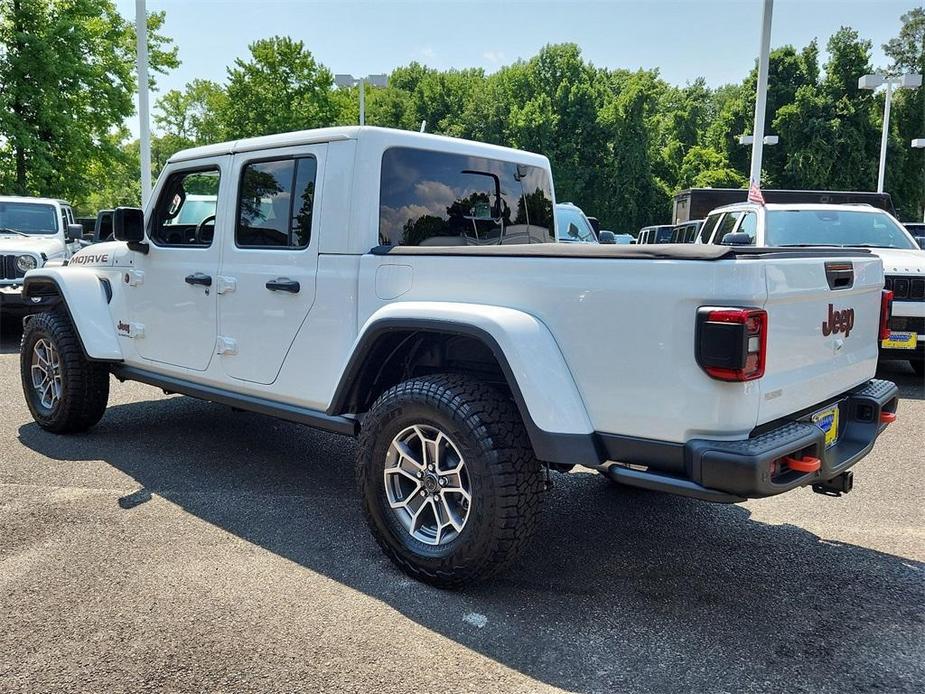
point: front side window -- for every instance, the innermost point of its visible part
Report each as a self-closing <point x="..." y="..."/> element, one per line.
<point x="27" y="218"/>
<point x="749" y="225"/>
<point x="185" y="211"/>
<point x="275" y="203"/>
<point x="726" y="226"/>
<point x="429" y="198"/>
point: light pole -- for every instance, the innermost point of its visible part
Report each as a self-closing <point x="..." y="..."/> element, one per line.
<point x="766" y="140"/>
<point x="346" y="80"/>
<point x="761" y="95"/>
<point x="144" y="125"/>
<point x="910" y="81"/>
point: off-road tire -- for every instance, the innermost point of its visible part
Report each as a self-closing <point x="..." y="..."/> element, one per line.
<point x="84" y="384"/>
<point x="506" y="480"/>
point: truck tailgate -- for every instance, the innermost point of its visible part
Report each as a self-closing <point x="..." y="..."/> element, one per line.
<point x="821" y="340"/>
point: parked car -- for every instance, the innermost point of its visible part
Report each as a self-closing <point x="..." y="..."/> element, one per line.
<point x="33" y="232"/>
<point x="858" y="226"/>
<point x="695" y="203"/>
<point x="624" y="239"/>
<point x="655" y="234"/>
<point x="367" y="282"/>
<point x="917" y="229"/>
<point x="686" y="232"/>
<point x="572" y="225"/>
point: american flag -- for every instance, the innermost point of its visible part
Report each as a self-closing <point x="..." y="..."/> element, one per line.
<point x="754" y="193"/>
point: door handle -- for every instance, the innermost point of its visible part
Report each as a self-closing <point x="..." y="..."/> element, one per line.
<point x="284" y="284"/>
<point x="199" y="278"/>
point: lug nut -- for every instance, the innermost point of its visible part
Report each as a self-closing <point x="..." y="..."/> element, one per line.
<point x="430" y="467"/>
<point x="423" y="493"/>
<point x="443" y="481"/>
<point x="420" y="475"/>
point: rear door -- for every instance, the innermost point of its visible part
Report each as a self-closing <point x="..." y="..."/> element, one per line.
<point x="266" y="285"/>
<point x="822" y="331"/>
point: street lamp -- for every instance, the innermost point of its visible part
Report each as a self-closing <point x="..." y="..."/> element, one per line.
<point x="750" y="139"/>
<point x="871" y="82"/>
<point x="345" y="80"/>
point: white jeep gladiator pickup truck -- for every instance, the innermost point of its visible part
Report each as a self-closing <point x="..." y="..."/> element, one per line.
<point x="33" y="232"/>
<point x="857" y="226"/>
<point x="407" y="289"/>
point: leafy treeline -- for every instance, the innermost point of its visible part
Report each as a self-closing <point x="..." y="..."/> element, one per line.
<point x="621" y="142"/>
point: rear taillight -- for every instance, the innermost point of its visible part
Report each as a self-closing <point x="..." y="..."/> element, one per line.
<point x="731" y="343"/>
<point x="886" y="312"/>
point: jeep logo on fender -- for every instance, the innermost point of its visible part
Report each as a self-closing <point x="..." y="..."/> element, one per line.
<point x="838" y="322"/>
<point x="90" y="259"/>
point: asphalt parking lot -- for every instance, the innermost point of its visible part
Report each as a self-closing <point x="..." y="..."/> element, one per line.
<point x="183" y="546"/>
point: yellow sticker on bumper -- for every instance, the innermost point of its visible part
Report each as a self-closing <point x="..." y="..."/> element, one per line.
<point x="901" y="341"/>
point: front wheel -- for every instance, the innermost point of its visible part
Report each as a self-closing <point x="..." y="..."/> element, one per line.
<point x="450" y="485"/>
<point x="65" y="392"/>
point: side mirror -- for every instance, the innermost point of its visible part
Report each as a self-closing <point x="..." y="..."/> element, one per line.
<point x="606" y="237"/>
<point x="128" y="224"/>
<point x="921" y="241"/>
<point x="595" y="224"/>
<point x="738" y="238"/>
<point x="74" y="232"/>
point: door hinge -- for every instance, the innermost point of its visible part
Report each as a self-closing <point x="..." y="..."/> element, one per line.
<point x="134" y="277"/>
<point x="226" y="345"/>
<point x="225" y="285"/>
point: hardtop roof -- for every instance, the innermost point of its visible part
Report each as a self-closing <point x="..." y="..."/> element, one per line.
<point x="383" y="137"/>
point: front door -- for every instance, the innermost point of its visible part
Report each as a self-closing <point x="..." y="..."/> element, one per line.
<point x="270" y="259"/>
<point x="172" y="289"/>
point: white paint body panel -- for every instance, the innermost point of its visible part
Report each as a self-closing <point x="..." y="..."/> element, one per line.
<point x="595" y="344"/>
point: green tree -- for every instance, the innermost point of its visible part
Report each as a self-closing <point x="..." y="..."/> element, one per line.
<point x="66" y="83"/>
<point x="195" y="115"/>
<point x="281" y="88"/>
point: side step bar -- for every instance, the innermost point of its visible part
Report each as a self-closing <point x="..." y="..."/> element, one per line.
<point x="660" y="482"/>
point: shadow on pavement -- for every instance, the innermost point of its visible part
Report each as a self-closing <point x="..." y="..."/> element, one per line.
<point x="620" y="589"/>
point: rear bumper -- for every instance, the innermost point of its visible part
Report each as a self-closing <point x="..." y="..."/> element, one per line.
<point x="730" y="471"/>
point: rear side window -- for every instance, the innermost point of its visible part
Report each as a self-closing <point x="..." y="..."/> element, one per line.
<point x="275" y="203"/>
<point x="726" y="226"/>
<point x="431" y="198"/>
<point x="708" y="227"/>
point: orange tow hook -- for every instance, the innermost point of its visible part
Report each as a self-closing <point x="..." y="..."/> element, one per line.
<point x="887" y="417"/>
<point x="804" y="464"/>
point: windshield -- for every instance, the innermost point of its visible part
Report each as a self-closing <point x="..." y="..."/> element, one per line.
<point x="28" y="218"/>
<point x="834" y="228"/>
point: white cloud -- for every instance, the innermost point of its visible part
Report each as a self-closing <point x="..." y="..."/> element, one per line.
<point x="494" y="57"/>
<point x="427" y="52"/>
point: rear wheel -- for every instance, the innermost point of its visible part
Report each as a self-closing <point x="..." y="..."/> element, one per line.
<point x="450" y="486"/>
<point x="65" y="392"/>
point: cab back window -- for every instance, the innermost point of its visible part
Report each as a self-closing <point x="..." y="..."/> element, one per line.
<point x="441" y="199"/>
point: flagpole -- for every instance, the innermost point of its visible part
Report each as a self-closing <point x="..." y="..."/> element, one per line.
<point x="761" y="97"/>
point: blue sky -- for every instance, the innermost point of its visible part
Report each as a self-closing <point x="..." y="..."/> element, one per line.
<point x="684" y="39"/>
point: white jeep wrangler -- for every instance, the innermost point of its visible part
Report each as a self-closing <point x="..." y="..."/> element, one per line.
<point x="33" y="232"/>
<point x="407" y="289"/>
